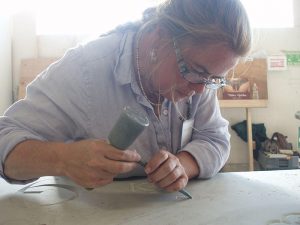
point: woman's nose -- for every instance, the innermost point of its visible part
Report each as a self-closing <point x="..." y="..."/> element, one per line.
<point x="198" y="88"/>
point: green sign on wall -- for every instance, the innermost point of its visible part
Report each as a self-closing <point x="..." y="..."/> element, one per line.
<point x="293" y="58"/>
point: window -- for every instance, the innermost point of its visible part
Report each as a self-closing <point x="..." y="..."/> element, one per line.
<point x="98" y="16"/>
<point x="270" y="13"/>
<point x="88" y="16"/>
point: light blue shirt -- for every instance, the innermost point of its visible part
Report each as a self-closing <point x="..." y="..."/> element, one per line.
<point x="82" y="95"/>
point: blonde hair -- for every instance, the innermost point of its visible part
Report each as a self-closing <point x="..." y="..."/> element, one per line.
<point x="204" y="21"/>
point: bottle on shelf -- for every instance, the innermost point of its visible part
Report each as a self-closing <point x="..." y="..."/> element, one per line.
<point x="255" y="93"/>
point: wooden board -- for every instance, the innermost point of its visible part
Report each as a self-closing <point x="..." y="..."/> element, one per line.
<point x="243" y="103"/>
<point x="246" y="84"/>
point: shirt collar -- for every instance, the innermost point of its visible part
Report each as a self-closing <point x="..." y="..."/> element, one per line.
<point x="124" y="71"/>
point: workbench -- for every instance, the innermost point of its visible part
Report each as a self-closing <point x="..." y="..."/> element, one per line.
<point x="237" y="198"/>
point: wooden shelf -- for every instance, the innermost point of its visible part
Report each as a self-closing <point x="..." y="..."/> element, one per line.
<point x="243" y="103"/>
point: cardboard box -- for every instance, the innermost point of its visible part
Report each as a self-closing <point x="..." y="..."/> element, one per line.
<point x="269" y="162"/>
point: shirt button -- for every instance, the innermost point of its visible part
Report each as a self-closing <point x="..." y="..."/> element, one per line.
<point x="165" y="112"/>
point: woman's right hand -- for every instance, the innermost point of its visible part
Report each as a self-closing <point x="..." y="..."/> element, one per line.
<point x="93" y="163"/>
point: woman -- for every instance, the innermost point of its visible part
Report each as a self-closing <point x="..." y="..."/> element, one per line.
<point x="167" y="67"/>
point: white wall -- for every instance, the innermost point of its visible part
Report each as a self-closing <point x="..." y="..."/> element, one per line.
<point x="24" y="43"/>
<point x="284" y="87"/>
<point x="297" y="13"/>
<point x="5" y="62"/>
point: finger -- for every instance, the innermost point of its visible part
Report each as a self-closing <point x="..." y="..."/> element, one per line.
<point x="158" y="159"/>
<point x="116" y="167"/>
<point x="179" y="184"/>
<point x="111" y="152"/>
<point x="164" y="170"/>
<point x="122" y="155"/>
<point x="173" y="176"/>
<point x="94" y="168"/>
<point x="111" y="167"/>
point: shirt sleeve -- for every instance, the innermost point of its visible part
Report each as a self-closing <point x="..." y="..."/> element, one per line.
<point x="210" y="144"/>
<point x="54" y="108"/>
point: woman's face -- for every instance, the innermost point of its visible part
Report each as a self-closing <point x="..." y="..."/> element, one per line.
<point x="209" y="60"/>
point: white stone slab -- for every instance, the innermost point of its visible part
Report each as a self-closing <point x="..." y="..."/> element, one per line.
<point x="250" y="198"/>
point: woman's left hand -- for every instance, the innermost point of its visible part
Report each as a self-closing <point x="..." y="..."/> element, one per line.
<point x="166" y="171"/>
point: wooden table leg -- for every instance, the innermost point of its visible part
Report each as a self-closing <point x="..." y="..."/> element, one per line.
<point x="250" y="144"/>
